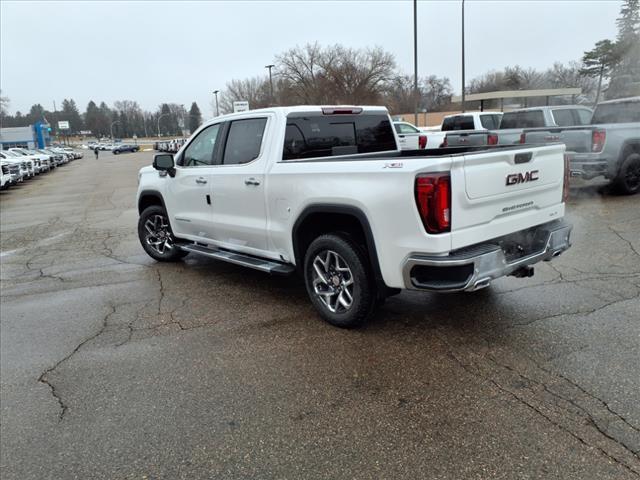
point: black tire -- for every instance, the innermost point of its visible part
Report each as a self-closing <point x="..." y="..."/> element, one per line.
<point x="156" y="236"/>
<point x="628" y="180"/>
<point x="116" y="152"/>
<point x="361" y="290"/>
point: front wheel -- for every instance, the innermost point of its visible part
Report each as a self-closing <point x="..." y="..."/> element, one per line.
<point x="339" y="280"/>
<point x="628" y="180"/>
<point x="156" y="237"/>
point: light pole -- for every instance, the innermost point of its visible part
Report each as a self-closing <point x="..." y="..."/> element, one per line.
<point x="415" y="61"/>
<point x="162" y="115"/>
<point x="215" y="92"/>
<point x="270" y="83"/>
<point x="463" y="81"/>
<point x="111" y="128"/>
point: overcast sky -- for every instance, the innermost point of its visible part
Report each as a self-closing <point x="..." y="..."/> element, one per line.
<point x="167" y="51"/>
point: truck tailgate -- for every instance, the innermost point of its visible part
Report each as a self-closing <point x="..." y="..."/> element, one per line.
<point x="467" y="139"/>
<point x="575" y="139"/>
<point x="506" y="191"/>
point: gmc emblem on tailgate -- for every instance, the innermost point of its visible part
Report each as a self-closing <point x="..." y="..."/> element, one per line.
<point x="515" y="178"/>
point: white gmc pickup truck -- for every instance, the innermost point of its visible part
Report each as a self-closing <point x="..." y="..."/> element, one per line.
<point x="327" y="193"/>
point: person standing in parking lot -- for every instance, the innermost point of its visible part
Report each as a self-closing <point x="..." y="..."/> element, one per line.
<point x="97" y="152"/>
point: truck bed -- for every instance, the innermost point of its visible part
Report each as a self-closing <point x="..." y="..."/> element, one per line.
<point x="484" y="205"/>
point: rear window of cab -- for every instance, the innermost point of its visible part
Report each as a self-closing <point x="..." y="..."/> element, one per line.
<point x="523" y="119"/>
<point x="318" y="135"/>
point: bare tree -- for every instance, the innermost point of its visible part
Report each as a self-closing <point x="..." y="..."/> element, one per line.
<point x="571" y="75"/>
<point x="435" y="93"/>
<point x="356" y="76"/>
<point x="253" y="90"/>
<point x="335" y="74"/>
<point x="4" y="104"/>
<point x="301" y="68"/>
<point x="489" y="82"/>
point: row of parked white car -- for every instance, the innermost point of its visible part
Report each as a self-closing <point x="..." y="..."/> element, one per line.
<point x="99" y="146"/>
<point x="20" y="164"/>
<point x="170" y="146"/>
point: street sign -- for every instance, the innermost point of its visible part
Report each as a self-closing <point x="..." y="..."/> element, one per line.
<point x="240" y="106"/>
<point x="63" y="125"/>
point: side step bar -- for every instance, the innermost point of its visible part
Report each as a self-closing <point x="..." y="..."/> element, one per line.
<point x="257" y="263"/>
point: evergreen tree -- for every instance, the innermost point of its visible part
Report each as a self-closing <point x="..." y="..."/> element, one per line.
<point x="104" y="120"/>
<point x="71" y="114"/>
<point x="195" y="117"/>
<point x="92" y="118"/>
<point x="599" y="62"/>
<point x="164" y="122"/>
<point x="629" y="21"/>
<point x="625" y="78"/>
<point x="36" y="113"/>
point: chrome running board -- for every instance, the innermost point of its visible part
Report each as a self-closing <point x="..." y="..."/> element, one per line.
<point x="257" y="263"/>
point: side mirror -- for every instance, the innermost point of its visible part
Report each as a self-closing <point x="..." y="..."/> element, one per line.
<point x="163" y="162"/>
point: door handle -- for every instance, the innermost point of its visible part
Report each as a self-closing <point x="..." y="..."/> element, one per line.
<point x="201" y="180"/>
<point x="251" y="181"/>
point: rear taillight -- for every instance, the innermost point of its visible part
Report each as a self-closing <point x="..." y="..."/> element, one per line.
<point x="422" y="142"/>
<point x="567" y="174"/>
<point x="492" y="139"/>
<point x="433" y="197"/>
<point x="523" y="138"/>
<point x="598" y="138"/>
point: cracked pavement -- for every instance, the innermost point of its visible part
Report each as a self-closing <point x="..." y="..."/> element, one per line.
<point x="113" y="366"/>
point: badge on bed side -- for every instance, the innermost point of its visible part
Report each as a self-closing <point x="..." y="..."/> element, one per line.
<point x="393" y="165"/>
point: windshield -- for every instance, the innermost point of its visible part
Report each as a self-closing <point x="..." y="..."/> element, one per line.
<point x="619" y="112"/>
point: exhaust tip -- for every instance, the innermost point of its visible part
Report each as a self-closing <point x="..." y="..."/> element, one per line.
<point x="485" y="282"/>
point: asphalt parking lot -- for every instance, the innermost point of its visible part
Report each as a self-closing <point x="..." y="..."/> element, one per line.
<point x="114" y="366"/>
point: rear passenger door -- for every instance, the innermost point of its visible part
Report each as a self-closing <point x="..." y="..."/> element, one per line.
<point x="238" y="187"/>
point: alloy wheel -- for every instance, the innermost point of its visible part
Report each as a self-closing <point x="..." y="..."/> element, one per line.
<point x="158" y="235"/>
<point x="632" y="175"/>
<point x="333" y="281"/>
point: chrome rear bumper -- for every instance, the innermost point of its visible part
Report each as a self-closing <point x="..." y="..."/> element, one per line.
<point x="475" y="267"/>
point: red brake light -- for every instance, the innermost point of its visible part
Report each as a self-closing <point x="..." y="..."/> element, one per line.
<point x="433" y="197"/>
<point x="341" y="111"/>
<point x="523" y="138"/>
<point x="598" y="138"/>
<point x="492" y="139"/>
<point x="422" y="142"/>
<point x="567" y="173"/>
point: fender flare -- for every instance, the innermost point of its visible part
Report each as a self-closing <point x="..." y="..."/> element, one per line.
<point x="344" y="210"/>
<point x="150" y="193"/>
<point x="630" y="142"/>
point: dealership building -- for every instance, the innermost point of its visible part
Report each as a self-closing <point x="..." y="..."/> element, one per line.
<point x="33" y="136"/>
